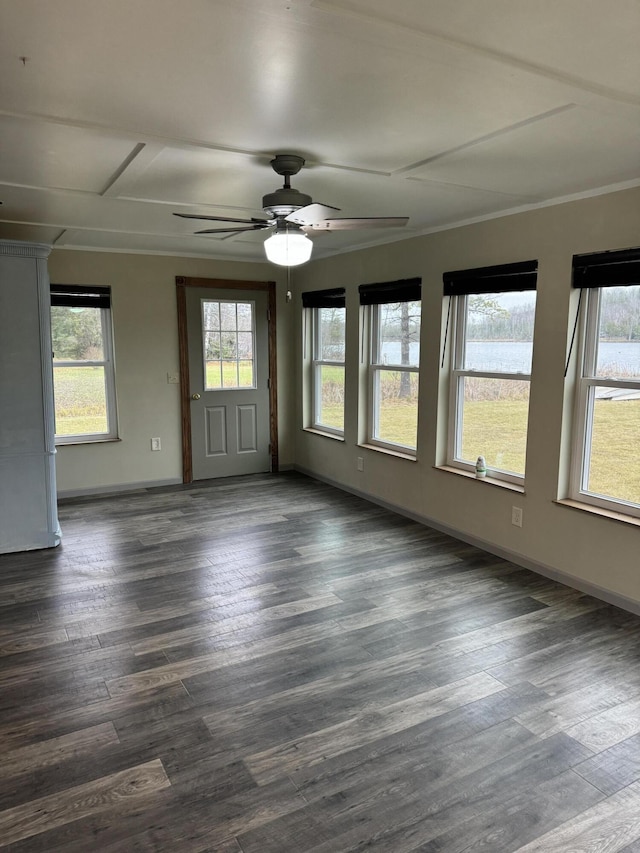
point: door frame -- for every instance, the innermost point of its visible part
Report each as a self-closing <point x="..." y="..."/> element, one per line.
<point x="268" y="287"/>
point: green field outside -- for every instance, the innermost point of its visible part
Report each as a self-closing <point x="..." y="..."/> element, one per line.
<point x="242" y="378"/>
<point x="80" y="400"/>
<point x="495" y="429"/>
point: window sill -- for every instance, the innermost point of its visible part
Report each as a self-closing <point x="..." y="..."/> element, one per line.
<point x="321" y="432"/>
<point x="491" y="481"/>
<point x="74" y="442"/>
<point x="598" y="510"/>
<point x="389" y="452"/>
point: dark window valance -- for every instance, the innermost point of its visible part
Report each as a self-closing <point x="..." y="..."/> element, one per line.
<point x="80" y="296"/>
<point x="496" y="279"/>
<point x="607" y="269"/>
<point x="383" y="293"/>
<point x="333" y="298"/>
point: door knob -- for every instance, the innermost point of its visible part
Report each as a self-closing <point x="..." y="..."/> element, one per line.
<point x="195" y="396"/>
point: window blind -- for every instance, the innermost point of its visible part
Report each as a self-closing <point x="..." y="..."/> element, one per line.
<point x="501" y="278"/>
<point x="383" y="293"/>
<point x="607" y="269"/>
<point x="334" y="298"/>
<point x="80" y="296"/>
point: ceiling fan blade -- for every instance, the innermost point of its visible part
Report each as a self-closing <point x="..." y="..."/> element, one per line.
<point x="362" y="222"/>
<point x="251" y="221"/>
<point x="310" y="214"/>
<point x="256" y="227"/>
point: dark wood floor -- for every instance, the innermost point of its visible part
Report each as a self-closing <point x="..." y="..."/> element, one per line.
<point x="268" y="664"/>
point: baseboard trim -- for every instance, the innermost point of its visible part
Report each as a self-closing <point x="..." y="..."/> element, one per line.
<point x="601" y="593"/>
<point x="118" y="487"/>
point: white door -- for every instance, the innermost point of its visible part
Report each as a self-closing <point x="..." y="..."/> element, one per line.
<point x="228" y="344"/>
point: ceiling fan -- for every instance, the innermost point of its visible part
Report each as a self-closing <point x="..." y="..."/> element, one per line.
<point x="292" y="215"/>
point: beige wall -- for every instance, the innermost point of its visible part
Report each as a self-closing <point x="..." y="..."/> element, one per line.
<point x="146" y="349"/>
<point x="589" y="549"/>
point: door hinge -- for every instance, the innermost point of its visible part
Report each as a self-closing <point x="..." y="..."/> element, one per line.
<point x="269" y="383"/>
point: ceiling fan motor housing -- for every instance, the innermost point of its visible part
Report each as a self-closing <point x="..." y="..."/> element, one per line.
<point x="284" y="201"/>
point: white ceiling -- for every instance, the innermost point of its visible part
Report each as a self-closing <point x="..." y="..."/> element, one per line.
<point x="443" y="110"/>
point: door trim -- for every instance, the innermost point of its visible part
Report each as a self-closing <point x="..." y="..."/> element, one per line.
<point x="182" y="282"/>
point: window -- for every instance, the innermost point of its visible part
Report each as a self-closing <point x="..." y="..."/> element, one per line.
<point x="493" y="310"/>
<point x="228" y="344"/>
<point x="83" y="371"/>
<point x="606" y="467"/>
<point x="327" y="315"/>
<point x="394" y="310"/>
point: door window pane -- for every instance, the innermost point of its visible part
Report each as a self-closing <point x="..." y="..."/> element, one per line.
<point x="494" y="422"/>
<point x="228" y="336"/>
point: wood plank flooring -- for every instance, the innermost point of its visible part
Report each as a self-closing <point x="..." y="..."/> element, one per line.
<point x="267" y="665"/>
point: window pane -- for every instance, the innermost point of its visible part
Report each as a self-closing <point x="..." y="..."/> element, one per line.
<point x="245" y="345"/>
<point x="494" y="422"/>
<point x="399" y="334"/>
<point x="246" y="378"/>
<point x="230" y="374"/>
<point x="213" y="375"/>
<point x="80" y="400"/>
<point x="228" y="316"/>
<point x="245" y="316"/>
<point x="228" y="353"/>
<point x="210" y="315"/>
<point x="613" y="469"/>
<point x="76" y="334"/>
<point x="499" y="336"/>
<point x="330" y="401"/>
<point x="331" y="334"/>
<point x="212" y="345"/>
<point x="396" y="399"/>
<point x="229" y="345"/>
<point x="619" y="333"/>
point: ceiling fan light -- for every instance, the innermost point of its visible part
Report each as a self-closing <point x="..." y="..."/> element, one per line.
<point x="288" y="249"/>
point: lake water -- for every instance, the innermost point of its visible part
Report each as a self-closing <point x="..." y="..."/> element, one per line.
<point x="515" y="357"/>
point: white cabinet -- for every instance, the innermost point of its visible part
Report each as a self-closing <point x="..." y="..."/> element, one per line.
<point x="28" y="509"/>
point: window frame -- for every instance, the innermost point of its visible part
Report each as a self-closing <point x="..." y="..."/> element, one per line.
<point x="312" y="362"/>
<point x="102" y="296"/>
<point x="317" y="363"/>
<point x="458" y="286"/>
<point x="373" y="297"/>
<point x="587" y="381"/>
<point x="456" y="401"/>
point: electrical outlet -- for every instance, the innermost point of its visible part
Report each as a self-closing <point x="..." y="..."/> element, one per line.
<point x="516" y="516"/>
<point x="155" y="444"/>
<point x="360" y="463"/>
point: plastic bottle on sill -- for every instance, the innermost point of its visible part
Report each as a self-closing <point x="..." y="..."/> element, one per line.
<point x="481" y="468"/>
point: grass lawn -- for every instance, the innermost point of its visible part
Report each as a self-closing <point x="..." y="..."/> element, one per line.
<point x="80" y="400"/>
<point x="497" y="431"/>
<point x="230" y="377"/>
<point x="494" y="429"/>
